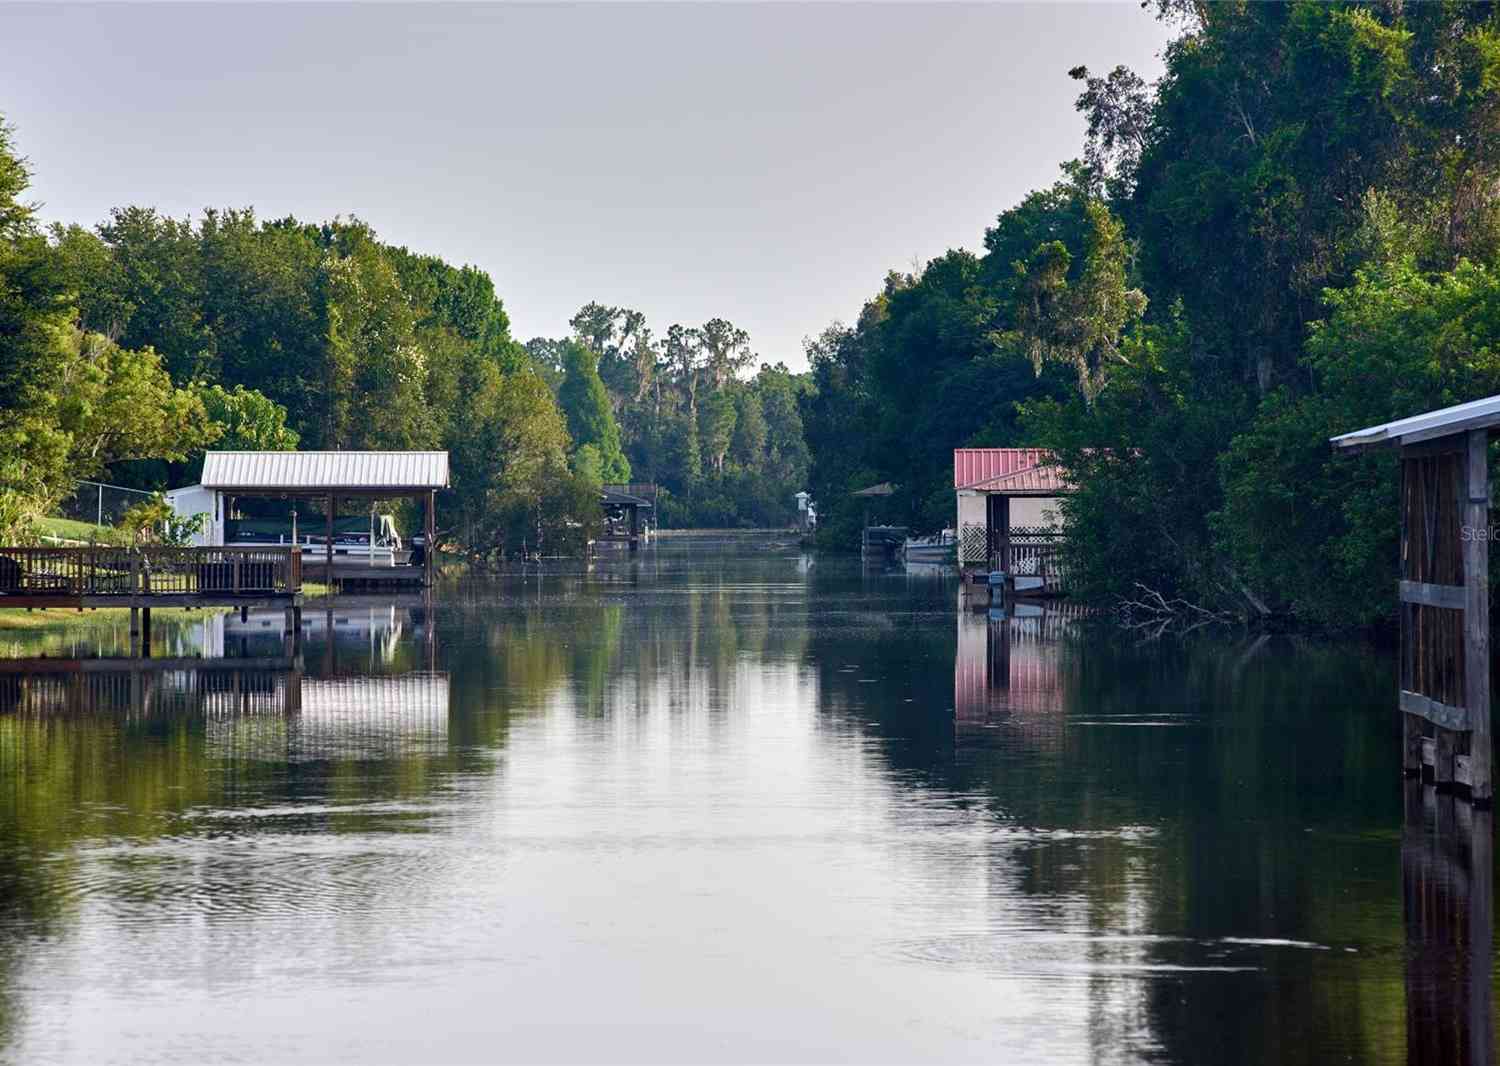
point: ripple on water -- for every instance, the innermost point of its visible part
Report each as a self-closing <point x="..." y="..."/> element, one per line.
<point x="1031" y="953"/>
<point x="274" y="875"/>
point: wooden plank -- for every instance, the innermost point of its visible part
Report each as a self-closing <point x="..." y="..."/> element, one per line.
<point x="1429" y="751"/>
<point x="1411" y="744"/>
<point x="1476" y="550"/>
<point x="1452" y="597"/>
<point x="1439" y="714"/>
<point x="1463" y="771"/>
<point x="1442" y="763"/>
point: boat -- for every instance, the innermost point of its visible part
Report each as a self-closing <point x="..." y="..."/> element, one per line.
<point x="938" y="548"/>
<point x="363" y="541"/>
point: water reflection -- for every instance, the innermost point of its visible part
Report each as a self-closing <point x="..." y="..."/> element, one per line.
<point x="1447" y="884"/>
<point x="758" y="808"/>
<point x="1009" y="666"/>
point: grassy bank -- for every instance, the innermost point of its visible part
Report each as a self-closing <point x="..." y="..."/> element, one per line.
<point x="19" y="618"/>
<point x="71" y="529"/>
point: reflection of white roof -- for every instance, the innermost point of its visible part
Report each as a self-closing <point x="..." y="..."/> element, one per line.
<point x="325" y="471"/>
<point x="1476" y="414"/>
<point x="370" y="717"/>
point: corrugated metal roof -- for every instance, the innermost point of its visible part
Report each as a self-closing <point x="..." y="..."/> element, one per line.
<point x="1476" y="414"/>
<point x="1044" y="480"/>
<point x="973" y="465"/>
<point x="338" y="471"/>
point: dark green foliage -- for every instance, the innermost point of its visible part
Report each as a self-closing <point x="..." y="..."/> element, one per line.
<point x="1308" y="198"/>
<point x="1319" y="532"/>
<point x="246" y="334"/>
<point x="1301" y="189"/>
<point x="32" y="294"/>
<point x="940" y="360"/>
<point x="725" y="451"/>
<point x="1142" y="457"/>
<point x="585" y="403"/>
<point x="71" y="402"/>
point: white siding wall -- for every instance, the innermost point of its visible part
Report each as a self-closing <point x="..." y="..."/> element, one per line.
<point x="971" y="509"/>
<point x="195" y="499"/>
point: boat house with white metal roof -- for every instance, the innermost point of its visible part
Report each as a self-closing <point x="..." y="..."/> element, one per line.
<point x="329" y="476"/>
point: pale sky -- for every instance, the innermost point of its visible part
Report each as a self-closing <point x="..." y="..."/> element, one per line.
<point x="765" y="163"/>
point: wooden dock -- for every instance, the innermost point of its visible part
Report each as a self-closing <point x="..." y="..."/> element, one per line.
<point x="1025" y="566"/>
<point x="142" y="578"/>
<point x="96" y="576"/>
<point x="364" y="576"/>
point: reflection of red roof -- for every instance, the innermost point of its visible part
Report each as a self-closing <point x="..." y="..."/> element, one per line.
<point x="974" y="465"/>
<point x="1048" y="480"/>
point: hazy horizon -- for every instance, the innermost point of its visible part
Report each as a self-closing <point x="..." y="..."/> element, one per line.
<point x="765" y="163"/>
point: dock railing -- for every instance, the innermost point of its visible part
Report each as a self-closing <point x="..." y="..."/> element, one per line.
<point x="99" y="572"/>
<point x="1025" y="551"/>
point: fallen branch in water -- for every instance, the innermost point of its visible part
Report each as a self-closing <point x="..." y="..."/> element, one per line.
<point x="1154" y="614"/>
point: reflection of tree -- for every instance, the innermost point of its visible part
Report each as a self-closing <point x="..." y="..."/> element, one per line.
<point x="1165" y="798"/>
<point x="143" y="756"/>
<point x="677" y="641"/>
<point x="1141" y="804"/>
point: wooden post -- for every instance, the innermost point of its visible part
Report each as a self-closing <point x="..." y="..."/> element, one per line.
<point x="999" y="511"/>
<point x="328" y="545"/>
<point x="293" y="701"/>
<point x="429" y="538"/>
<point x="1476" y="551"/>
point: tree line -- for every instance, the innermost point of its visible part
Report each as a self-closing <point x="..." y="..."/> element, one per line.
<point x="128" y="348"/>
<point x="677" y="410"/>
<point x="1294" y="232"/>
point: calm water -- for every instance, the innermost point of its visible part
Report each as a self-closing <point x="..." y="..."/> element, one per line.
<point x="706" y="806"/>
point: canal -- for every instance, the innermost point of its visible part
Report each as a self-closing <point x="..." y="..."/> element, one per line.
<point x="717" y="805"/>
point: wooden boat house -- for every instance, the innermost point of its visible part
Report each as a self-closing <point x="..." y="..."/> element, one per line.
<point x="1008" y="520"/>
<point x="363" y="547"/>
<point x="1443" y="589"/>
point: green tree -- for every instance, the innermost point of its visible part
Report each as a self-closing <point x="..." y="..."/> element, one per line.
<point x="726" y="350"/>
<point x="1316" y="533"/>
<point x="748" y="448"/>
<point x="33" y="317"/>
<point x="786" y="443"/>
<point x="527" y="495"/>
<point x="247" y="420"/>
<point x="717" y="422"/>
<point x="585" y="402"/>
